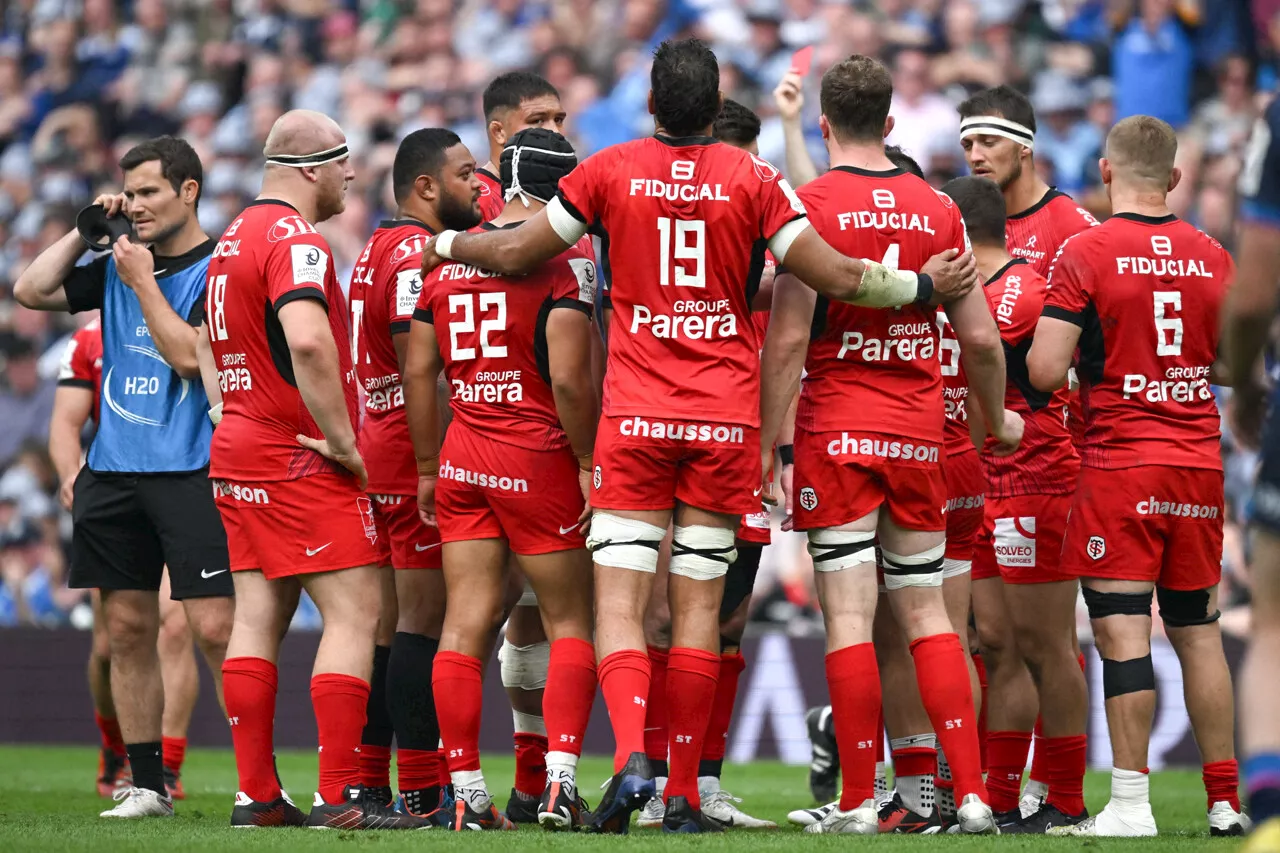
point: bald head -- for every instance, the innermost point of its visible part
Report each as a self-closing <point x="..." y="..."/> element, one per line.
<point x="1141" y="149"/>
<point x="301" y="132"/>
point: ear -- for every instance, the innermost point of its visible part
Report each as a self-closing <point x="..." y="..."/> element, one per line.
<point x="190" y="189"/>
<point x="426" y="187"/>
<point x="825" y="127"/>
<point x="497" y="132"/>
<point x="309" y="173"/>
<point x="653" y="111"/>
<point x="1175" y="178"/>
<point x="888" y="126"/>
<point x="1104" y="168"/>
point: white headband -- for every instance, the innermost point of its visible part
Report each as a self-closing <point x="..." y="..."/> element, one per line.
<point x="306" y="161"/>
<point x="996" y="126"/>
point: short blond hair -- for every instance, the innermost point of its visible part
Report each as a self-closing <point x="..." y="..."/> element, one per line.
<point x="1143" y="148"/>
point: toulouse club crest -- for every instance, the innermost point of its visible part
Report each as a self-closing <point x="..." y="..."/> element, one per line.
<point x="1096" y="548"/>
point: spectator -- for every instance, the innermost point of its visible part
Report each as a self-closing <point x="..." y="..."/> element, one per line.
<point x="925" y="124"/>
<point x="1152" y="65"/>
<point x="26" y="402"/>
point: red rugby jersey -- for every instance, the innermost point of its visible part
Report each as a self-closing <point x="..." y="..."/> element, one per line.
<point x="1045" y="463"/>
<point x="492" y="334"/>
<point x="874" y="369"/>
<point x="385" y="286"/>
<point x="81" y="365"/>
<point x="684" y="216"/>
<point x="1146" y="293"/>
<point x="1036" y="234"/>
<point x="491" y="201"/>
<point x="268" y="257"/>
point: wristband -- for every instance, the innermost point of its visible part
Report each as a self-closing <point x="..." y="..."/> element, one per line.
<point x="444" y="244"/>
<point x="885" y="287"/>
<point x="429" y="467"/>
<point x="787" y="452"/>
<point x="924" y="288"/>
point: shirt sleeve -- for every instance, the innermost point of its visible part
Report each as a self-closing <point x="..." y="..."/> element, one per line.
<point x="297" y="268"/>
<point x="423" y="310"/>
<point x="86" y="284"/>
<point x="782" y="213"/>
<point x="574" y="284"/>
<point x="76" y="369"/>
<point x="1070" y="290"/>
<point x="581" y="193"/>
<point x="403" y="292"/>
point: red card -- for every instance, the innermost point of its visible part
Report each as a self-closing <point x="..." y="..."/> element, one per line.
<point x="802" y="61"/>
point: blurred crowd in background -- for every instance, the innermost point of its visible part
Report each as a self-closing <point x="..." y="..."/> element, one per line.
<point x="81" y="81"/>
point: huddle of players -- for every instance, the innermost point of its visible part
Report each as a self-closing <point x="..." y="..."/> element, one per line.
<point x="1131" y="505"/>
<point x="503" y="311"/>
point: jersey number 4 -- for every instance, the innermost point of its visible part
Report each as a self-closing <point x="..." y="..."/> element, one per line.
<point x="465" y="304"/>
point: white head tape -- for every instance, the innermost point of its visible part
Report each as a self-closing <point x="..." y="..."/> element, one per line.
<point x="306" y="161"/>
<point x="996" y="126"/>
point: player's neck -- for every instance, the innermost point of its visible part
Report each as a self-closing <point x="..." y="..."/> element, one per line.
<point x="304" y="203"/>
<point x="422" y="214"/>
<point x="515" y="211"/>
<point x="990" y="259"/>
<point x="1025" y="192"/>
<point x="493" y="158"/>
<point x="1141" y="200"/>
<point x="184" y="241"/>
<point x="868" y="156"/>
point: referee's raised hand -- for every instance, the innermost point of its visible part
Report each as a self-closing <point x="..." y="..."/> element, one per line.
<point x="349" y="459"/>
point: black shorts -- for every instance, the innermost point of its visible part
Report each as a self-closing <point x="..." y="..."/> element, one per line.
<point x="128" y="527"/>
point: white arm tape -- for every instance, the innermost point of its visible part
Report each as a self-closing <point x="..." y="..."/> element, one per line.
<point x="884" y="287"/>
<point x="566" y="225"/>
<point x="782" y="239"/>
<point x="444" y="244"/>
<point x="215" y="413"/>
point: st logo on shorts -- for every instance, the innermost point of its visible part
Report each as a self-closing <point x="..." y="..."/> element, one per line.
<point x="365" y="507"/>
<point x="808" y="499"/>
<point x="1096" y="548"/>
<point x="595" y="478"/>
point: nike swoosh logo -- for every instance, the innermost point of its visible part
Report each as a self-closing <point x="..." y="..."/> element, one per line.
<point x="207" y="575"/>
<point x="569" y="529"/>
<point x="421" y="548"/>
<point x="757" y="492"/>
<point x="312" y="552"/>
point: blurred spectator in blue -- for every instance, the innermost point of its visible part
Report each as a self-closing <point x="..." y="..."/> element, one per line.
<point x="1151" y="61"/>
<point x="26" y="402"/>
<point x="1063" y="135"/>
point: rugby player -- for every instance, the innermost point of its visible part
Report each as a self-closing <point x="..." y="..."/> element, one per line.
<point x="1140" y="296"/>
<point x="517" y="356"/>
<point x="997" y="133"/>
<point x="679" y="423"/>
<point x="1027" y="499"/>
<point x="295" y="507"/>
<point x="896" y="377"/>
<point x="1251" y="309"/>
<point x="435" y="185"/>
<point x="513" y="102"/>
<point x="142" y="500"/>
<point x="737" y="126"/>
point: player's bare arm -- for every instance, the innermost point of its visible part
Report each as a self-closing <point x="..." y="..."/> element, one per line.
<point x="569" y="365"/>
<point x="509" y="252"/>
<point x="763" y="300"/>
<point x="789" y="98"/>
<point x="982" y="353"/>
<point x="208" y="372"/>
<point x="1251" y="305"/>
<point x="72" y="407"/>
<point x="785" y="346"/>
<point x="173" y="336"/>
<point x="810" y="258"/>
<point x="315" y="364"/>
<point x="40" y="285"/>
<point x="1051" y="352"/>
<point x="422" y="368"/>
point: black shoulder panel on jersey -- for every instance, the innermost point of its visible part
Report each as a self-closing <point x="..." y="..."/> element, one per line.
<point x="1093" y="350"/>
<point x="1015" y="359"/>
<point x="755" y="270"/>
<point x="540" y="340"/>
<point x="278" y="346"/>
<point x="819" y="323"/>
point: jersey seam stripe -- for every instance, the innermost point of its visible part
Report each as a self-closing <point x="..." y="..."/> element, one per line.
<point x="76" y="383"/>
<point x="1059" y="313"/>
<point x="399" y="327"/>
<point x="301" y="293"/>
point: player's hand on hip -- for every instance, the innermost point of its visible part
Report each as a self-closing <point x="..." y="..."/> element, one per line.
<point x="789" y="97"/>
<point x="1246" y="412"/>
<point x="134" y="261"/>
<point x="347" y="458"/>
<point x="954" y="274"/>
<point x="67" y="492"/>
<point x="430" y="260"/>
<point x="1008" y="433"/>
<point x="113" y="202"/>
<point x="427" y="499"/>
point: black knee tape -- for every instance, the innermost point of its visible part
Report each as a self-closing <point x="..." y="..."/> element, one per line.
<point x="1104" y="604"/>
<point x="1127" y="676"/>
<point x="1183" y="608"/>
<point x="740" y="579"/>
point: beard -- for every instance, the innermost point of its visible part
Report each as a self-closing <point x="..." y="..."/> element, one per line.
<point x="167" y="233"/>
<point x="458" y="215"/>
<point x="1014" y="174"/>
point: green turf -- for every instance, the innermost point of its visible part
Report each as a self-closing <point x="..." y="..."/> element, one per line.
<point x="47" y="803"/>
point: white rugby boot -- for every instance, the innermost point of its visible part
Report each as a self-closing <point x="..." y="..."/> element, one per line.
<point x="1224" y="820"/>
<point x="139" y="802"/>
<point x="864" y="820"/>
<point x="974" y="817"/>
<point x="808" y="817"/>
<point x="720" y="806"/>
<point x="1133" y="821"/>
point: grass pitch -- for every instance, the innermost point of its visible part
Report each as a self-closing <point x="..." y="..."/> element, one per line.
<point x="48" y="803"/>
